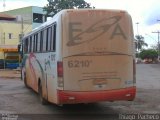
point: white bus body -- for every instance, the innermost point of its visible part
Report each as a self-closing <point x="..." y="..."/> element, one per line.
<point x="81" y="56"/>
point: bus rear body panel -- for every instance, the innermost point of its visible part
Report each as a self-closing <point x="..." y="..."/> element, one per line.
<point x="97" y="78"/>
<point x="73" y="97"/>
<point x="98" y="57"/>
<point x="94" y="73"/>
<point x="92" y="59"/>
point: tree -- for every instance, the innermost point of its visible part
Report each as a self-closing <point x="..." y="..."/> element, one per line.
<point x="54" y="6"/>
<point x="139" y="42"/>
<point x="149" y="54"/>
<point x="155" y="47"/>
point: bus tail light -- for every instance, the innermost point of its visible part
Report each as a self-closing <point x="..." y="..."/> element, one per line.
<point x="60" y="69"/>
<point x="60" y="73"/>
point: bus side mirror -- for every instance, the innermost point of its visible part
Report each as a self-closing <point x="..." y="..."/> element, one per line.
<point x="19" y="48"/>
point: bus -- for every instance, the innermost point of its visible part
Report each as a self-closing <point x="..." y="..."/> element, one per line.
<point x="81" y="56"/>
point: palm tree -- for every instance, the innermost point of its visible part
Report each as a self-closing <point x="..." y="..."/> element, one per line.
<point x="139" y="42"/>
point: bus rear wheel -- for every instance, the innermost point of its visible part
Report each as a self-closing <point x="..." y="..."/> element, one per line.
<point x="42" y="100"/>
<point x="25" y="81"/>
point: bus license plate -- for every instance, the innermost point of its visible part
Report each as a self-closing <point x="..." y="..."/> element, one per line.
<point x="99" y="81"/>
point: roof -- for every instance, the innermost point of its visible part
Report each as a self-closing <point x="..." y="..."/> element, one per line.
<point x="6" y="17"/>
<point x="25" y="10"/>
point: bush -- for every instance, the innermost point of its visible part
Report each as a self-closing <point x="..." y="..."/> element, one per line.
<point x="149" y="54"/>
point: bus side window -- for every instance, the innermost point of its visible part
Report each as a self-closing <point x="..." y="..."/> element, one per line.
<point x="30" y="44"/>
<point x="38" y="42"/>
<point x="53" y="39"/>
<point x="26" y="45"/>
<point x="34" y="43"/>
<point x="49" y="38"/>
<point x="44" y="40"/>
<point x="41" y="41"/>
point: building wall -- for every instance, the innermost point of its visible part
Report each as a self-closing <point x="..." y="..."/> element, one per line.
<point x="1" y="55"/>
<point x="28" y="18"/>
<point x="10" y="31"/>
<point x="27" y="13"/>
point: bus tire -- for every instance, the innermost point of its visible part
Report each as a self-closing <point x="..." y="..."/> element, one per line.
<point x="42" y="100"/>
<point x="25" y="81"/>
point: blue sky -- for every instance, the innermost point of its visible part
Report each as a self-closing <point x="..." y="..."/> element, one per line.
<point x="145" y="12"/>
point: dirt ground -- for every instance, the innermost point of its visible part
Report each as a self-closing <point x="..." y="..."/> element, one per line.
<point x="16" y="99"/>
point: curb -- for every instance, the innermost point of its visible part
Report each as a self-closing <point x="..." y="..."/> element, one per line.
<point x="9" y="77"/>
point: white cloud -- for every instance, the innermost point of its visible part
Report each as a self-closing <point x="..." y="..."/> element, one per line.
<point x="146" y="12"/>
<point x="14" y="4"/>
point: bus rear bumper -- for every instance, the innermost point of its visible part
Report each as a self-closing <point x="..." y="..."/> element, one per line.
<point x="73" y="97"/>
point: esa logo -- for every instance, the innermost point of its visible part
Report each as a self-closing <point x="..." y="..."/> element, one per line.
<point x="78" y="36"/>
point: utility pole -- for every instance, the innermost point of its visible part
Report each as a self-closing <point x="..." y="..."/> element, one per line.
<point x="137" y="28"/>
<point x="158" y="32"/>
<point x="137" y="40"/>
<point x="22" y="27"/>
<point x="22" y="30"/>
<point x="4" y="4"/>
